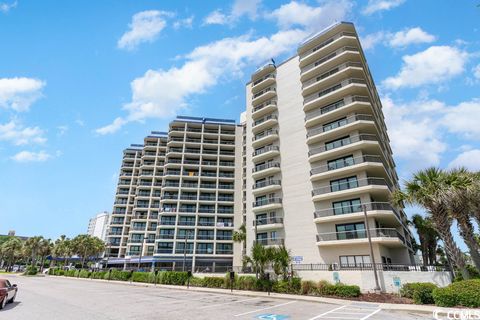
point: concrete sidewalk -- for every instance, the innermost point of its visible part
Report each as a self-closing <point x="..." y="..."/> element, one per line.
<point x="384" y="306"/>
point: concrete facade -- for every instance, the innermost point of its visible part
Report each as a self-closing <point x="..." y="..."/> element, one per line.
<point x="98" y="225"/>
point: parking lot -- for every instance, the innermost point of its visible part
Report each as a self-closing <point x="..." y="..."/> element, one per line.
<point x="64" y="298"/>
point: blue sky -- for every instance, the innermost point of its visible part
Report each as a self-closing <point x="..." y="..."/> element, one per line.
<point x="79" y="83"/>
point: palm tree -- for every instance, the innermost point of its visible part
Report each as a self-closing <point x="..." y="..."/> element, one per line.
<point x="45" y="250"/>
<point x="240" y="236"/>
<point x="458" y="198"/>
<point x="32" y="245"/>
<point x="427" y="189"/>
<point x="12" y="249"/>
<point x="86" y="246"/>
<point x="259" y="258"/>
<point x="428" y="238"/>
<point x="281" y="261"/>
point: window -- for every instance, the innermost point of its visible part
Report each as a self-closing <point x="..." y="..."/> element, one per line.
<point x="273" y="235"/>
<point x="337" y="143"/>
<point x="205" y="248"/>
<point x="180" y="248"/>
<point x="351" y="231"/>
<point x="334" y="124"/>
<point x="340" y="163"/>
<point x="343" y="184"/>
<point x="165" y="247"/>
<point x="354" y="261"/>
<point x="347" y="206"/>
<point x="261" y="219"/>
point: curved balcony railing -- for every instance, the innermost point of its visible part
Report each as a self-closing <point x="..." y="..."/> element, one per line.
<point x="360" y="234"/>
<point x="264" y="150"/>
<point x="343" y="142"/>
<point x="346" y="162"/>
<point x="269" y="220"/>
<point x="264" y="134"/>
<point x="331" y="72"/>
<point x="372" y="206"/>
<point x="267" y="183"/>
<point x="261" y="93"/>
<point x="270" y="242"/>
<point x="268" y="76"/>
<point x="328" y="57"/>
<point x="265" y="202"/>
<point x="324" y="43"/>
<point x="266" y="166"/>
<point x="338" y="124"/>
<point x="351" y="185"/>
<point x="333" y="88"/>
<point x="262" y="120"/>
<point x="264" y="104"/>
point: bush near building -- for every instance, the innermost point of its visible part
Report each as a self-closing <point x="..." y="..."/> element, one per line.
<point x="462" y="293"/>
<point x="420" y="292"/>
<point x="31" y="271"/>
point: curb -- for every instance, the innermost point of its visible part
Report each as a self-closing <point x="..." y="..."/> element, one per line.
<point x="384" y="306"/>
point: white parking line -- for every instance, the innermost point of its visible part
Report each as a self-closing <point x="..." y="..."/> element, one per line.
<point x="267" y="308"/>
<point x="231" y="302"/>
<point x="371" y="314"/>
<point x="325" y="313"/>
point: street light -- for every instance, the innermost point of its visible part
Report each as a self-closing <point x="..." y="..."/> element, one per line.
<point x="107" y="252"/>
<point x="372" y="258"/>
<point x="187" y="233"/>
<point x="141" y="251"/>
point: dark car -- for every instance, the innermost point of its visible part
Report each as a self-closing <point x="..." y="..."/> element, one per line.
<point x="8" y="292"/>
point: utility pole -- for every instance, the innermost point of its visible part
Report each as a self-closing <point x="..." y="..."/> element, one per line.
<point x="141" y="252"/>
<point x="372" y="258"/>
<point x="187" y="233"/>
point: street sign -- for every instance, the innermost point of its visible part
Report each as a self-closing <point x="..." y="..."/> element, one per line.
<point x="297" y="259"/>
<point x="396" y="282"/>
<point x="271" y="316"/>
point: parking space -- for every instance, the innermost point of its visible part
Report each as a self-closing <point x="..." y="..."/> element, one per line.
<point x="66" y="298"/>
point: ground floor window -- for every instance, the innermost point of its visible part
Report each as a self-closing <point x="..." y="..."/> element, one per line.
<point x="354" y="261"/>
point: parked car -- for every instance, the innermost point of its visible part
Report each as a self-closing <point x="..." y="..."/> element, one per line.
<point x="8" y="292"/>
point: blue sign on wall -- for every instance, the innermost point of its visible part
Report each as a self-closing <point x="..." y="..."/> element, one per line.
<point x="336" y="277"/>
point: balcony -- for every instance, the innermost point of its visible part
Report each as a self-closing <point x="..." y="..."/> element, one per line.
<point x="264" y="108"/>
<point x="265" y="169"/>
<point x="264" y="138"/>
<point x="266" y="186"/>
<point x="382" y="211"/>
<point x="375" y="186"/>
<point x="265" y="94"/>
<point x="330" y="77"/>
<point x="265" y="153"/>
<point x="341" y="127"/>
<point x="263" y="70"/>
<point x="358" y="104"/>
<point x="263" y="82"/>
<point x="368" y="143"/>
<point x="342" y="37"/>
<point x="268" y="223"/>
<point x="271" y="242"/>
<point x="372" y="163"/>
<point x="267" y="204"/>
<point x="264" y="123"/>
<point x="351" y="86"/>
<point x="335" y="58"/>
<point x="166" y="236"/>
<point x="385" y="236"/>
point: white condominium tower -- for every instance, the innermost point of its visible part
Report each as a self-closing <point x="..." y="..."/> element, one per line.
<point x="98" y="225"/>
<point x="318" y="153"/>
<point x="176" y="201"/>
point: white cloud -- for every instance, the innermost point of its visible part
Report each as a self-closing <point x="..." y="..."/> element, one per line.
<point x="380" y="5"/>
<point x="5" y="7"/>
<point x="145" y="27"/>
<point x="161" y="93"/>
<point x="414" y="133"/>
<point x="435" y="65"/>
<point x="19" y="94"/>
<point x="371" y="40"/>
<point x="468" y="159"/>
<point x="18" y="135"/>
<point x="29" y="156"/>
<point x="464" y="119"/>
<point x="183" y="23"/>
<point x="410" y="36"/>
<point x="311" y="18"/>
<point x="239" y="9"/>
<point x="476" y="71"/>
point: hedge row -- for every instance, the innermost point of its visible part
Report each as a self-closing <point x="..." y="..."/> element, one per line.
<point x="292" y="286"/>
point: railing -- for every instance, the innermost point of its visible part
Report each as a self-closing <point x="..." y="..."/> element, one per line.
<point x="264" y="150"/>
<point x="368" y="266"/>
<point x="225" y="199"/>
<point x="372" y="206"/>
<point x="263" y="92"/>
<point x="206" y="223"/>
<point x="186" y="223"/>
<point x="343" y="142"/>
<point x="328" y="57"/>
<point x="262" y="120"/>
<point x="334" y="106"/>
<point x="264" y="104"/>
<point x="265" y="202"/>
<point x="268" y="76"/>
<point x="360" y="234"/>
<point x="324" y="43"/>
<point x="266" y="166"/>
<point x="333" y="71"/>
<point x="351" y="185"/>
<point x="264" y="134"/>
<point x="223" y="251"/>
<point x="346" y="163"/>
<point x="166" y="236"/>
<point x="225" y="238"/>
<point x="270" y="242"/>
<point x="269" y="220"/>
<point x="267" y="183"/>
<point x="338" y="124"/>
<point x="225" y="186"/>
<point x="333" y="88"/>
<point x="226" y="163"/>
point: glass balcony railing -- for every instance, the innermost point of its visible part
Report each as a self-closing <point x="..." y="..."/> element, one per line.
<point x="342" y="143"/>
<point x="266" y="166"/>
<point x="265" y="150"/>
<point x="325" y="128"/>
<point x="324" y="43"/>
<point x="267" y="183"/>
<point x="351" y="185"/>
<point x="328" y="57"/>
<point x="372" y="206"/>
<point x="333" y="88"/>
<point x="331" y="72"/>
<point x="346" y="162"/>
<point x="268" y="220"/>
<point x="360" y="234"/>
<point x="264" y="202"/>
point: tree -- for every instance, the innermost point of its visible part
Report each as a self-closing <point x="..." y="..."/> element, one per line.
<point x="281" y="261"/>
<point x="427" y="237"/>
<point x="32" y="245"/>
<point x="240" y="236"/>
<point x="86" y="246"/>
<point x="44" y="250"/>
<point x="12" y="250"/>
<point x="427" y="188"/>
<point x="261" y="258"/>
<point x="63" y="249"/>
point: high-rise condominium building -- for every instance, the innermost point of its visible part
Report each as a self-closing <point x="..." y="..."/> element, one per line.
<point x="176" y="200"/>
<point x="98" y="225"/>
<point x="318" y="153"/>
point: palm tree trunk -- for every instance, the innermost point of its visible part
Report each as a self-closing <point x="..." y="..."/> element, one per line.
<point x="467" y="233"/>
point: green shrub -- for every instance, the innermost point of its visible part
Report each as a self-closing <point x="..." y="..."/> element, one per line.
<point x="119" y="275"/>
<point x="196" y="282"/>
<point x="31" y="271"/>
<point x="420" y="292"/>
<point x="52" y="271"/>
<point x="173" y="278"/>
<point x="59" y="272"/>
<point x="98" y="275"/>
<point x="474" y="273"/>
<point x="346" y="291"/>
<point x="309" y="288"/>
<point x="70" y="273"/>
<point x="463" y="293"/>
<point x="213" y="282"/>
<point x="246" y="283"/>
<point x="141" y="277"/>
<point x="325" y="288"/>
<point x="292" y="286"/>
<point x="84" y="274"/>
<point x="228" y="282"/>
